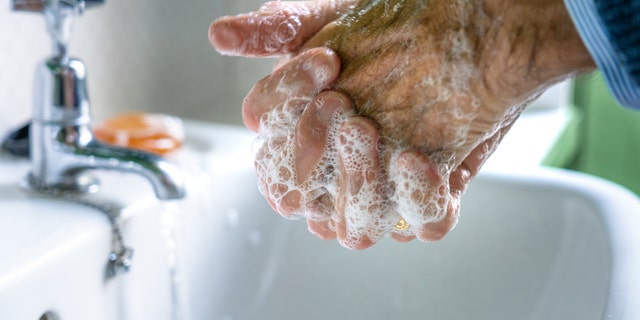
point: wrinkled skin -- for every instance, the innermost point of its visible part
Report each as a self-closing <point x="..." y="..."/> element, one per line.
<point x="436" y="84"/>
<point x="436" y="101"/>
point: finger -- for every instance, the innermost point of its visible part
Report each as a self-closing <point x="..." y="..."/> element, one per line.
<point x="421" y="193"/>
<point x="423" y="197"/>
<point x="262" y="185"/>
<point x="275" y="163"/>
<point x="279" y="27"/>
<point x="285" y="161"/>
<point x="361" y="209"/>
<point x="315" y="129"/>
<point x="282" y="196"/>
<point x="322" y="206"/>
<point x="292" y="86"/>
<point x="401" y="237"/>
<point x="322" y="229"/>
<point x="471" y="165"/>
<point x="436" y="231"/>
<point x="274" y="178"/>
<point x="318" y="122"/>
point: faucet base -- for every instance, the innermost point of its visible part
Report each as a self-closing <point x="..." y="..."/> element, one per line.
<point x="78" y="183"/>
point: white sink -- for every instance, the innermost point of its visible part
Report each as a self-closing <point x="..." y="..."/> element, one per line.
<point x="547" y="244"/>
<point x="54" y="253"/>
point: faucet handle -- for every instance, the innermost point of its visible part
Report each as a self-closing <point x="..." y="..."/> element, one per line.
<point x="40" y="5"/>
<point x="59" y="15"/>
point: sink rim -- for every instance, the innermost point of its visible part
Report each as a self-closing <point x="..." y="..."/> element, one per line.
<point x="619" y="222"/>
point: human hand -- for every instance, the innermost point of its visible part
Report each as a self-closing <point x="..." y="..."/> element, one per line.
<point x="443" y="76"/>
<point x="430" y="204"/>
<point x="319" y="161"/>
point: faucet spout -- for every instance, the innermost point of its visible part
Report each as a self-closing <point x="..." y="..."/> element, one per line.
<point x="63" y="147"/>
<point x="73" y="151"/>
<point x="165" y="177"/>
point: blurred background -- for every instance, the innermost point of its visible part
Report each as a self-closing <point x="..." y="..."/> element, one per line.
<point x="150" y="55"/>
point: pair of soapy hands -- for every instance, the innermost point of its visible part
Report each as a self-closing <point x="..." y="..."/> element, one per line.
<point x="436" y="85"/>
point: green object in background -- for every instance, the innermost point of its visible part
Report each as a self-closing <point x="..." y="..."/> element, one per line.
<point x="603" y="138"/>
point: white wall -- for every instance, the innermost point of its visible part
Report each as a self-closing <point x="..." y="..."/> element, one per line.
<point x="150" y="55"/>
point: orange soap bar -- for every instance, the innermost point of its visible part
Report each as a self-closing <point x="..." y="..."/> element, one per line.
<point x="156" y="133"/>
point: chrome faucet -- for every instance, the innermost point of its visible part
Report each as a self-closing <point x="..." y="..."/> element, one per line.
<point x="63" y="147"/>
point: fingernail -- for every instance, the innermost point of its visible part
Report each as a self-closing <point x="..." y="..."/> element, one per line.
<point x="224" y="38"/>
<point x="323" y="65"/>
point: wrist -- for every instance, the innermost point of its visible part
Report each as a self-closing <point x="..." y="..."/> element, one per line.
<point x="535" y="45"/>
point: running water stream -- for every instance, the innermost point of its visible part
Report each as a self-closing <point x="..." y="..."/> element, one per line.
<point x="170" y="224"/>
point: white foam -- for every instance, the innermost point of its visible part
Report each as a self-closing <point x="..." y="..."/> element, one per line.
<point x="276" y="165"/>
<point x="367" y="211"/>
<point x="419" y="200"/>
<point x="371" y="211"/>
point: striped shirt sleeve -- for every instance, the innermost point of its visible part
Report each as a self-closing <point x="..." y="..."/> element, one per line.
<point x="595" y="37"/>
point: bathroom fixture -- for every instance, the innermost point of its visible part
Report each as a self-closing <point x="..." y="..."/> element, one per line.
<point x="62" y="145"/>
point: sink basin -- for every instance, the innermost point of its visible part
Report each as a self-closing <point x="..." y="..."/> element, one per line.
<point x="526" y="248"/>
<point x="547" y="244"/>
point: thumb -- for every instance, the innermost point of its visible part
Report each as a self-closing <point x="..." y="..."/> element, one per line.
<point x="277" y="28"/>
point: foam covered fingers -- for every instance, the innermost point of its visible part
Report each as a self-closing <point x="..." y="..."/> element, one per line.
<point x="292" y="86"/>
<point x="310" y="165"/>
<point x="324" y="230"/>
<point x="361" y="208"/>
<point x="316" y="129"/>
<point x="275" y="176"/>
<point x="422" y="197"/>
<point x="437" y="230"/>
<point x="278" y="27"/>
<point x="294" y="166"/>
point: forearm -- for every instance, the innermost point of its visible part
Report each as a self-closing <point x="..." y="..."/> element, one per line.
<point x="539" y="42"/>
